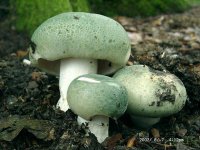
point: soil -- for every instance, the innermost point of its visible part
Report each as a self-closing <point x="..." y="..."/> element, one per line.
<point x="29" y="119"/>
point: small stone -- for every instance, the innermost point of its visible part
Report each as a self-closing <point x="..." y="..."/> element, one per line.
<point x="135" y="38"/>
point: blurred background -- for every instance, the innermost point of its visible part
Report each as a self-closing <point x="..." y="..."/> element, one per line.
<point x="164" y="34"/>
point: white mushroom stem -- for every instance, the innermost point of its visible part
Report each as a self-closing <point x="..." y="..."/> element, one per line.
<point x="144" y="122"/>
<point x="70" y="69"/>
<point x="98" y="126"/>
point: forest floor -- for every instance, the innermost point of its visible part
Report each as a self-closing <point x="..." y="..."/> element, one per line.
<point x="29" y="119"/>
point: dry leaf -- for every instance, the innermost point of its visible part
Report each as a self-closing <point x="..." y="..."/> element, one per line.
<point x="21" y="53"/>
<point x="111" y="143"/>
<point x="159" y="21"/>
<point x="181" y="132"/>
<point x="155" y="132"/>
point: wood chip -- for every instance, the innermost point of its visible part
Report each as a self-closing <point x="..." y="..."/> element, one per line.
<point x="132" y="142"/>
<point x="36" y="76"/>
<point x="21" y="53"/>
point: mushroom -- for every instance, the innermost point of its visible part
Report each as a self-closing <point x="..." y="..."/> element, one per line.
<point x="95" y="98"/>
<point x="76" y="43"/>
<point x="151" y="94"/>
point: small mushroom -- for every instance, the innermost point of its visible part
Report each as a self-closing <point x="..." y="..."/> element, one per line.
<point x="76" y="43"/>
<point x="95" y="98"/>
<point x="151" y="94"/>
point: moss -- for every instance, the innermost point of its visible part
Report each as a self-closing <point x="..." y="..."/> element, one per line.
<point x="80" y="5"/>
<point x="138" y="7"/>
<point x="30" y="14"/>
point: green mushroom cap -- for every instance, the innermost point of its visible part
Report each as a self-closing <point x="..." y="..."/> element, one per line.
<point x="95" y="95"/>
<point x="151" y="93"/>
<point x="78" y="35"/>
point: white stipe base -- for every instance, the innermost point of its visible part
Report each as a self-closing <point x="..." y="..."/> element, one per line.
<point x="70" y="69"/>
<point x="98" y="126"/>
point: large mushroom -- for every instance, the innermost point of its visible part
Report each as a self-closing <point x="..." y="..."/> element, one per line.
<point x="151" y="94"/>
<point x="95" y="98"/>
<point x="76" y="43"/>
